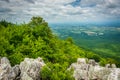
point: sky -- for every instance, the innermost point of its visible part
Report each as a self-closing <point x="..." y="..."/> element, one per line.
<point x="61" y="10"/>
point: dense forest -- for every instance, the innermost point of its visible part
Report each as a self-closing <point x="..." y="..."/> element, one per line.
<point x="35" y="39"/>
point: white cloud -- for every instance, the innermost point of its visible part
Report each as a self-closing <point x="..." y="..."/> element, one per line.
<point x="58" y="1"/>
<point x="60" y="10"/>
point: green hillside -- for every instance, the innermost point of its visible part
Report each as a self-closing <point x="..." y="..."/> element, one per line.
<point x="34" y="39"/>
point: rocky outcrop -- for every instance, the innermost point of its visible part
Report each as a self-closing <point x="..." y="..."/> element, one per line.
<point x="86" y="69"/>
<point x="6" y="71"/>
<point x="29" y="69"/>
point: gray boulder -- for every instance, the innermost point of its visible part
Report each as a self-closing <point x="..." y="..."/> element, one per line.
<point x="93" y="71"/>
<point x="4" y="60"/>
<point x="16" y="72"/>
<point x="81" y="61"/>
<point x="6" y="71"/>
<point x="30" y="68"/>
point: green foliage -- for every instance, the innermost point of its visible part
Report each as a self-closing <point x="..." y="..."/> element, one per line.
<point x="56" y="72"/>
<point x="16" y="58"/>
<point x="35" y="39"/>
<point x="4" y="23"/>
<point x="103" y="62"/>
<point x="69" y="39"/>
<point x="36" y="21"/>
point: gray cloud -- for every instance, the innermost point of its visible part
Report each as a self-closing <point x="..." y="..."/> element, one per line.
<point x="5" y="10"/>
<point x="113" y="3"/>
<point x="30" y="1"/>
<point x="6" y="0"/>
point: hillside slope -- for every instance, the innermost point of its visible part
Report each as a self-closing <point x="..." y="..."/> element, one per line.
<point x="35" y="39"/>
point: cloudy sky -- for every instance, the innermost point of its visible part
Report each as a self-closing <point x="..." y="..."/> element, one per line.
<point x="61" y="10"/>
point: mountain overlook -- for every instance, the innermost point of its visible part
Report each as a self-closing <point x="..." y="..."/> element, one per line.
<point x="35" y="39"/>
